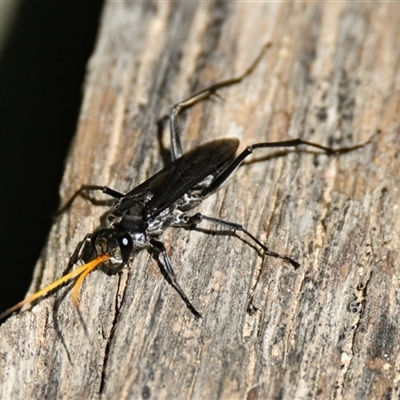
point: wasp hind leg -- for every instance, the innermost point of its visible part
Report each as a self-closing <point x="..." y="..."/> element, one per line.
<point x="176" y="147"/>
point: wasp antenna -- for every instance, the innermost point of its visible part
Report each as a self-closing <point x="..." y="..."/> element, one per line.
<point x="87" y="269"/>
<point x="75" y="293"/>
<point x="53" y="285"/>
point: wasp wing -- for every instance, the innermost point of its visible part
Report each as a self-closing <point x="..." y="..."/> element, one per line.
<point x="184" y="173"/>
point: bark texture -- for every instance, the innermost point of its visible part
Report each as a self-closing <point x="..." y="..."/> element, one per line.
<point x="329" y="329"/>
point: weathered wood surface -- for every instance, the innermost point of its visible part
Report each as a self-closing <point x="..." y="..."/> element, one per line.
<point x="327" y="330"/>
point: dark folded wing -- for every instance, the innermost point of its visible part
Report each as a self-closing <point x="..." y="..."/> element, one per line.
<point x="173" y="181"/>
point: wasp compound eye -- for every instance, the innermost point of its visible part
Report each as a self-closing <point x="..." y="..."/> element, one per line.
<point x="114" y="243"/>
<point x="126" y="246"/>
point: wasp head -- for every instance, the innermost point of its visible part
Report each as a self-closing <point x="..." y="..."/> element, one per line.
<point x="117" y="244"/>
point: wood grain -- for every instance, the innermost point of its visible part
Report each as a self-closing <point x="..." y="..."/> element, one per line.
<point x="327" y="330"/>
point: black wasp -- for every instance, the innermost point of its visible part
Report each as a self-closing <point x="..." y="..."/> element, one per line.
<point x="139" y="217"/>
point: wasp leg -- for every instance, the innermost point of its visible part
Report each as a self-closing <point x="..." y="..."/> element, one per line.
<point x="172" y="277"/>
<point x="199" y="217"/>
<point x="231" y="168"/>
<point x="76" y="255"/>
<point x="176" y="147"/>
<point x="89" y="188"/>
